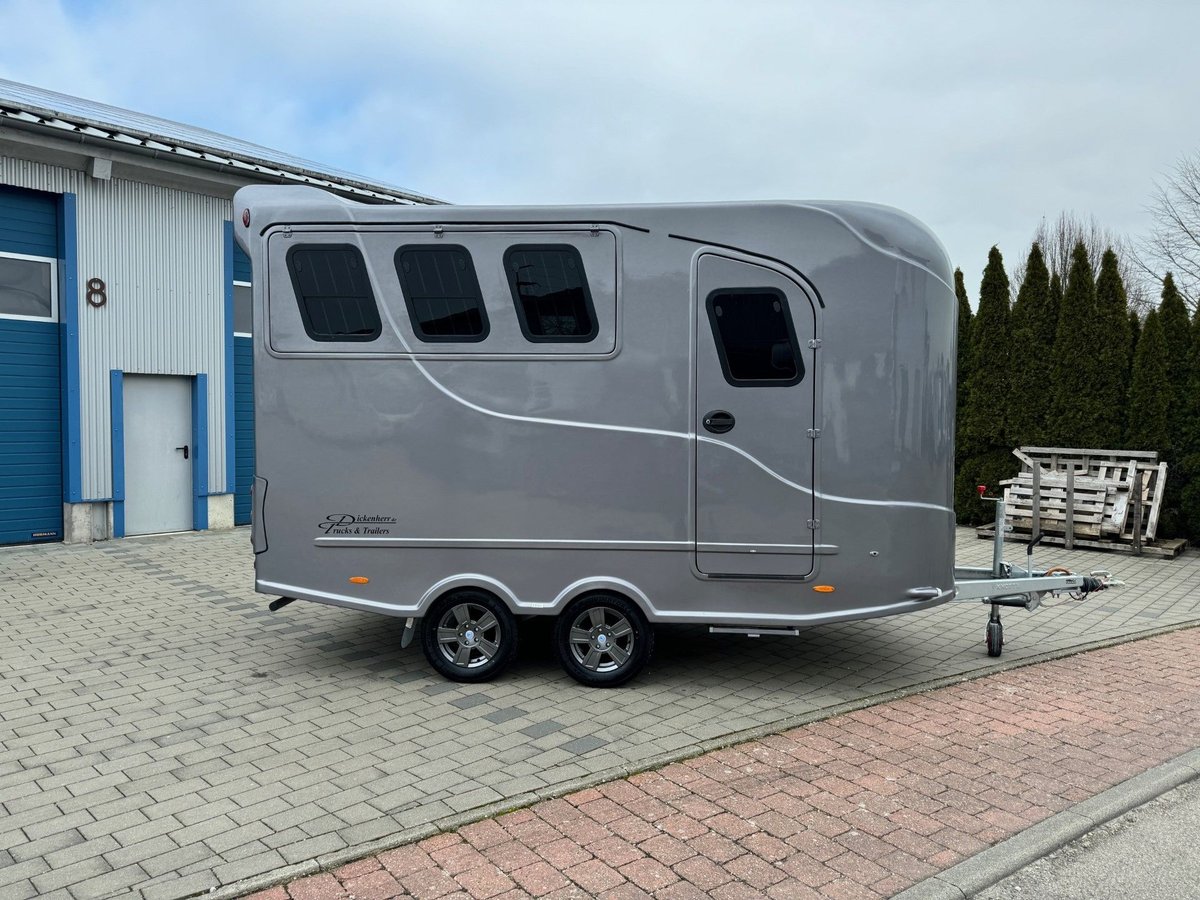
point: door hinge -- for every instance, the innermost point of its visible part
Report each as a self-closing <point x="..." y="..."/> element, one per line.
<point x="437" y="231"/>
<point x="814" y="343"/>
<point x="814" y="524"/>
<point x="595" y="229"/>
<point x="287" y="231"/>
<point x="814" y="433"/>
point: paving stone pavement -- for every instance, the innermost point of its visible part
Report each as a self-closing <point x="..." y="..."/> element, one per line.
<point x="862" y="805"/>
<point x="162" y="733"/>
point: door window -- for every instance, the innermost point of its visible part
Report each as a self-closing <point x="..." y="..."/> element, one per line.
<point x="26" y="288"/>
<point x="755" y="339"/>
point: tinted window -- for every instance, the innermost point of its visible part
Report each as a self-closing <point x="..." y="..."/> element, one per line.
<point x="550" y="290"/>
<point x="243" y="314"/>
<point x="442" y="293"/>
<point x="755" y="338"/>
<point x="334" y="293"/>
<point x="25" y="288"/>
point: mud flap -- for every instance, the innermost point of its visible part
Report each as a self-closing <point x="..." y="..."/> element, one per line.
<point x="409" y="632"/>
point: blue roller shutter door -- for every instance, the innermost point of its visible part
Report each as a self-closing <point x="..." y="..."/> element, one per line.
<point x="243" y="405"/>
<point x="31" y="491"/>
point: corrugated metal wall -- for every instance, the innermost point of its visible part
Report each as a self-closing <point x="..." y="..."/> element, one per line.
<point x="159" y="252"/>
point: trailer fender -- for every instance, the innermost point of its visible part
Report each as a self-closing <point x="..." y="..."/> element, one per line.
<point x="469" y="580"/>
<point x="603" y="583"/>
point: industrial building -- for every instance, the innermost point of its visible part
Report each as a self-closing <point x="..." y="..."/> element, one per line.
<point x="126" y="401"/>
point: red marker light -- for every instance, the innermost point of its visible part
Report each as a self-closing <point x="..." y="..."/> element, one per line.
<point x="246" y="217"/>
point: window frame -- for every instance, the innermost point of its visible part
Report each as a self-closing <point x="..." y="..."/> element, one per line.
<point x="54" y="308"/>
<point x="413" y="321"/>
<point x="589" y="306"/>
<point x="303" y="308"/>
<point x="801" y="371"/>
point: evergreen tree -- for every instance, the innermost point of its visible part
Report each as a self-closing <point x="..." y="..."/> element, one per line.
<point x="984" y="431"/>
<point x="1056" y="297"/>
<point x="1034" y="322"/>
<point x="1189" y="436"/>
<point x="1177" y="338"/>
<point x="1188" y="470"/>
<point x="1110" y="390"/>
<point x="964" y="337"/>
<point x="1149" y="390"/>
<point x="1075" y="363"/>
<point x="1049" y="433"/>
<point x="1135" y="332"/>
<point x="963" y="363"/>
<point x="1056" y="301"/>
<point x="986" y="416"/>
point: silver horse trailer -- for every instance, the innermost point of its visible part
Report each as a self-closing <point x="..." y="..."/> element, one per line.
<point x="739" y="415"/>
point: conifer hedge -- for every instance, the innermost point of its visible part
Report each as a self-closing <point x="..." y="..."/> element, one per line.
<point x="1074" y="366"/>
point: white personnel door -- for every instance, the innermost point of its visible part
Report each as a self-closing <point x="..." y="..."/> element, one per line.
<point x="158" y="453"/>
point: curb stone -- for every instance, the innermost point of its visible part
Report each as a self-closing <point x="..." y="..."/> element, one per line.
<point x="986" y="868"/>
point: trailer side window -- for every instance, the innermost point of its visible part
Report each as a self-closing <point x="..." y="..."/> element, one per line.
<point x="550" y="290"/>
<point x="334" y="293"/>
<point x="442" y="293"/>
<point x="755" y="339"/>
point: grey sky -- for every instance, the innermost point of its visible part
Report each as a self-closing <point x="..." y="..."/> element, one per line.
<point x="977" y="118"/>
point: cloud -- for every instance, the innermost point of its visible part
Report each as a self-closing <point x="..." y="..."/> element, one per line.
<point x="978" y="120"/>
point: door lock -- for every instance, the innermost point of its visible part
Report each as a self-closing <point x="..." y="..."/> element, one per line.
<point x="718" y="421"/>
<point x="184" y="448"/>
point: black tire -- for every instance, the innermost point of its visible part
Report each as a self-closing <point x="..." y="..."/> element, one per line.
<point x="995" y="638"/>
<point x="603" y="640"/>
<point x="469" y="635"/>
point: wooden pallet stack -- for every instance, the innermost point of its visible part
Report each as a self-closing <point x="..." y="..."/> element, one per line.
<point x="1103" y="499"/>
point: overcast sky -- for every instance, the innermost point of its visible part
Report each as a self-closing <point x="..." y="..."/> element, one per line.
<point x="978" y="118"/>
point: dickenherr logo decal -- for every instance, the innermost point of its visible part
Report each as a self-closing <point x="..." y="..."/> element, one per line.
<point x="346" y="523"/>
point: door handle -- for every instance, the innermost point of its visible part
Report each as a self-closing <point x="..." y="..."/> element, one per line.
<point x="184" y="448"/>
<point x="718" y="421"/>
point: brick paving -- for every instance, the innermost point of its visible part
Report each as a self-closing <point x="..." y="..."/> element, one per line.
<point x="163" y="734"/>
<point x="862" y="805"/>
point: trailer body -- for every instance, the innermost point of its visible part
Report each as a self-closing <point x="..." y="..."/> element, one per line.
<point x="736" y="414"/>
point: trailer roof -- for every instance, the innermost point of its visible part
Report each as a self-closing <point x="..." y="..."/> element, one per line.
<point x="886" y="229"/>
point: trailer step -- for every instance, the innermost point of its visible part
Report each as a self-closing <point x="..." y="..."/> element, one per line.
<point x="754" y="632"/>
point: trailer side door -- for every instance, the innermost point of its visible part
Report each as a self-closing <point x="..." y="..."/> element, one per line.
<point x="754" y="407"/>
